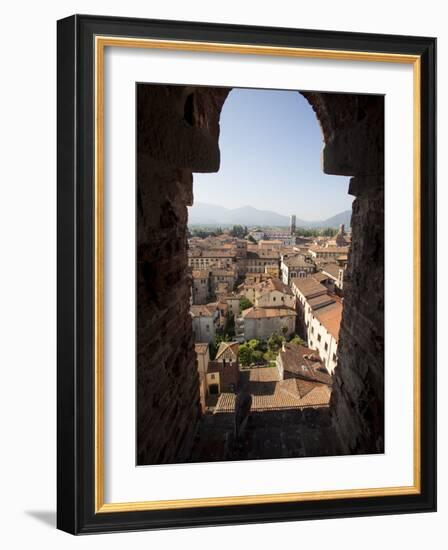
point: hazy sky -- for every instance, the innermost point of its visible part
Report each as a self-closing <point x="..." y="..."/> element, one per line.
<point x="271" y="147"/>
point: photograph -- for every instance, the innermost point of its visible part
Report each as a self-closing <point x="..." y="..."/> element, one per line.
<point x="248" y="251"/>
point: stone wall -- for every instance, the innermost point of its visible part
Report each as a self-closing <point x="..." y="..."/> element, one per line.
<point x="177" y="133"/>
<point x="358" y="394"/>
<point x="353" y="128"/>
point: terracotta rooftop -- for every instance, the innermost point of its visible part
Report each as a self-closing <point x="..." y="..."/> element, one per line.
<point x="263" y="254"/>
<point x="309" y="287"/>
<point x="211" y="307"/>
<point x="264" y="374"/>
<point x="274" y="284"/>
<point x="222" y="272"/>
<point x="200" y="273"/>
<point x="332" y="269"/>
<point x="232" y="347"/>
<point x="200" y="311"/>
<point x="268" y="312"/>
<point x="330" y="249"/>
<point x="269" y="241"/>
<point x="319" y="277"/>
<point x="217" y="253"/>
<point x="304" y="363"/>
<point x="296" y="261"/>
<point x="330" y="317"/>
<point x="320" y="301"/>
<point x="286" y="395"/>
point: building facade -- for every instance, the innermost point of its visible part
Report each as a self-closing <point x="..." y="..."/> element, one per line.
<point x="203" y="323"/>
<point x="262" y="322"/>
<point x="203" y="359"/>
<point x="319" y="317"/>
<point x="200" y="288"/>
<point x="297" y="266"/>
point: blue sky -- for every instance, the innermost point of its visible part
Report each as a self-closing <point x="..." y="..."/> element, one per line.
<point x="271" y="147"/>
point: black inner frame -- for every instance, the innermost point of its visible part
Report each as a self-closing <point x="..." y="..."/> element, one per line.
<point x="75" y="309"/>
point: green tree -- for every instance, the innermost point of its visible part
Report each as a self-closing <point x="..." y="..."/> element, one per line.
<point x="297" y="340"/>
<point x="238" y="231"/>
<point x="245" y="355"/>
<point x="212" y="349"/>
<point x="251" y="239"/>
<point x="245" y="304"/>
<point x="229" y="326"/>
<point x="269" y="356"/>
<point x="257" y="356"/>
<point x="315" y="232"/>
<point x="254" y="344"/>
<point x="221" y="338"/>
<point x="275" y="342"/>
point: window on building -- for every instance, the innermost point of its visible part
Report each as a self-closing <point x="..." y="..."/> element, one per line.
<point x="318" y="338"/>
<point x="326" y="346"/>
<point x="312" y="330"/>
<point x="334" y="357"/>
<point x="207" y="328"/>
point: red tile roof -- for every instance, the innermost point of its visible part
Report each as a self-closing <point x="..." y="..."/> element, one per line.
<point x="309" y="287"/>
<point x="232" y="347"/>
<point x="320" y="301"/>
<point x="268" y="312"/>
<point x="201" y="348"/>
<point x="285" y="396"/>
<point x="200" y="311"/>
<point x="330" y="317"/>
<point x="304" y="362"/>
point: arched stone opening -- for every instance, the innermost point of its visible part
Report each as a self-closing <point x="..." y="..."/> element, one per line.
<point x="177" y="134"/>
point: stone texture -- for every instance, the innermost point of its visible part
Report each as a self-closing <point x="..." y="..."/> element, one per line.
<point x="178" y="131"/>
<point x="353" y="130"/>
<point x="358" y="395"/>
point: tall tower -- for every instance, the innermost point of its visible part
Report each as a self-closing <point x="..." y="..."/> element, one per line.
<point x="292" y="224"/>
<point x="340" y="237"/>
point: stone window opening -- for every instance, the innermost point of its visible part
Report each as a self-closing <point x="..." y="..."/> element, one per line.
<point x="353" y="135"/>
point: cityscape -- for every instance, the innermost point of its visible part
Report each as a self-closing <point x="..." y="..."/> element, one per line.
<point x="266" y="307"/>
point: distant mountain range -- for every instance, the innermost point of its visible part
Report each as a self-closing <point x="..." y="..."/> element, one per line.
<point x="212" y="215"/>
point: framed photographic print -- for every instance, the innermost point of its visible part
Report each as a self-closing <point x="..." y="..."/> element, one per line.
<point x="246" y="274"/>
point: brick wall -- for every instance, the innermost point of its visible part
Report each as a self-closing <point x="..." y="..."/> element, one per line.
<point x="177" y="134"/>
